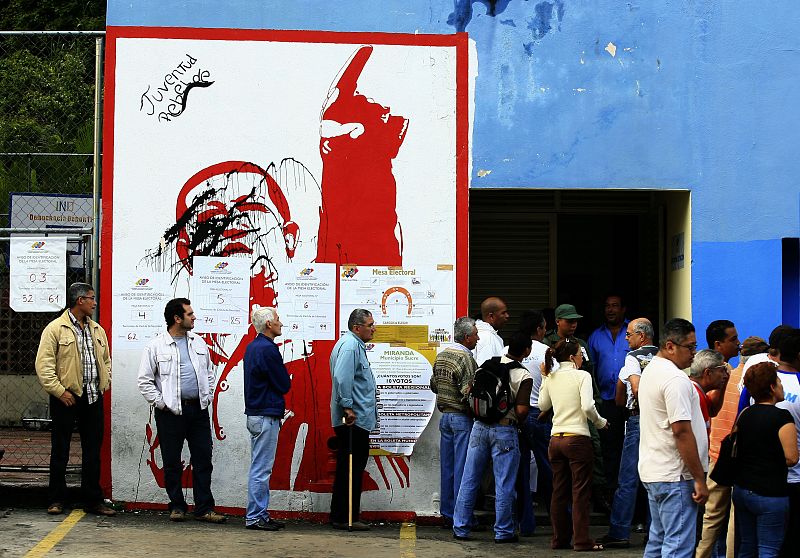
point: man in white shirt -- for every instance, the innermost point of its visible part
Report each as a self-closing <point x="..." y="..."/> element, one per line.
<point x="494" y="315"/>
<point x="673" y="447"/>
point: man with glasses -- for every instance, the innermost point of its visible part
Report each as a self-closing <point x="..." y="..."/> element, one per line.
<point x="639" y="334"/>
<point x="74" y="367"/>
<point x="673" y="447"/>
<point x="722" y="337"/>
<point x="353" y="415"/>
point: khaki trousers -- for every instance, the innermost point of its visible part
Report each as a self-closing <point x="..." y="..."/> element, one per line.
<point x="717" y="507"/>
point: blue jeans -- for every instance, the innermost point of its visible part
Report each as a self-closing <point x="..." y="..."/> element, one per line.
<point x="502" y="445"/>
<point x="673" y="519"/>
<point x="628" y="483"/>
<point x="455" y="429"/>
<point x="760" y="522"/>
<point x="263" y="443"/>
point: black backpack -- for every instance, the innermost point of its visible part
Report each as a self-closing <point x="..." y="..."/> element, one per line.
<point x="490" y="396"/>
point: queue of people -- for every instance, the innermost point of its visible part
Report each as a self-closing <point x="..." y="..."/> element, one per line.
<point x="547" y="400"/>
<point x="675" y="403"/>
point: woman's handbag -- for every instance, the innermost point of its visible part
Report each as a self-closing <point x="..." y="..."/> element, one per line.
<point x="724" y="472"/>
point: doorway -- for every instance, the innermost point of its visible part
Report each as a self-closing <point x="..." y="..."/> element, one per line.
<point x="541" y="248"/>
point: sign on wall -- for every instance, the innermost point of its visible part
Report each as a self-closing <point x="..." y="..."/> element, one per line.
<point x="287" y="151"/>
<point x="38" y="274"/>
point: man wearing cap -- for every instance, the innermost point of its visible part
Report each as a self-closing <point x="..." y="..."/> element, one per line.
<point x="494" y="315"/>
<point x="566" y="324"/>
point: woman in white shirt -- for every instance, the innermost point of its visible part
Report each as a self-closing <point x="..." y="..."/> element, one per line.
<point x="568" y="391"/>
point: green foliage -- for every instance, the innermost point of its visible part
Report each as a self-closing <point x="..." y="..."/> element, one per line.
<point x="53" y="15"/>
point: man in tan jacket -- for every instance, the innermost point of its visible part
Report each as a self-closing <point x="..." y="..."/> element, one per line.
<point x="74" y="367"/>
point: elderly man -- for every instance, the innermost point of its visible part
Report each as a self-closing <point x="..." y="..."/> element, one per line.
<point x="176" y="377"/>
<point x="721" y="336"/>
<point x="353" y="415"/>
<point x="709" y="372"/>
<point x="74" y="367"/>
<point x="673" y="447"/>
<point x="494" y="315"/>
<point x="639" y="334"/>
<point x="452" y="376"/>
<point x="266" y="381"/>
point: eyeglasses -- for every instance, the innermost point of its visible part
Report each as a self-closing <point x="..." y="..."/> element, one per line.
<point x="692" y="347"/>
<point x="91" y="297"/>
<point x="627" y="335"/>
<point x="370" y="325"/>
<point x="722" y="367"/>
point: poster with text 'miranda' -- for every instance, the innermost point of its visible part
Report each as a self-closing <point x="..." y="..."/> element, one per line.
<point x="276" y="149"/>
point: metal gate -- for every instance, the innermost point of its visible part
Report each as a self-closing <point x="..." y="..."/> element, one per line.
<point x="49" y="146"/>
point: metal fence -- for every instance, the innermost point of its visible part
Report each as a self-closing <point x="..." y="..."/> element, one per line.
<point x="49" y="177"/>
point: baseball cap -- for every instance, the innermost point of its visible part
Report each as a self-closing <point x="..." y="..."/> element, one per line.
<point x="754" y="345"/>
<point x="568" y="312"/>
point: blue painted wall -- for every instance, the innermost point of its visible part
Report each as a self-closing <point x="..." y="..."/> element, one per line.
<point x="699" y="95"/>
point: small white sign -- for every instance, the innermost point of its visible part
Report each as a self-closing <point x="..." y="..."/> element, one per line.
<point x="139" y="301"/>
<point x="38" y="274"/>
<point x="221" y="294"/>
<point x="676" y="254"/>
<point x="307" y="300"/>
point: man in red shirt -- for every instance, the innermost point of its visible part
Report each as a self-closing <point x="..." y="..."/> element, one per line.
<point x="709" y="372"/>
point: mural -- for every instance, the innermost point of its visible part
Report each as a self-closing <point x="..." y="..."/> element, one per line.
<point x="341" y="184"/>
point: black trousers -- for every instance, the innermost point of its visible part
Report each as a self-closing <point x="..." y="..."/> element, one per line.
<point x="791" y="542"/>
<point x="340" y="482"/>
<point x="90" y="426"/>
<point x="194" y="427"/>
<point x="612" y="439"/>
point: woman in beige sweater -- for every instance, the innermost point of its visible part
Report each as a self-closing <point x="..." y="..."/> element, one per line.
<point x="568" y="390"/>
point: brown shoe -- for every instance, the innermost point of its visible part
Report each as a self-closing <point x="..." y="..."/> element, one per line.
<point x="55" y="508"/>
<point x="100" y="509"/>
<point x="177" y="515"/>
<point x="211" y="517"/>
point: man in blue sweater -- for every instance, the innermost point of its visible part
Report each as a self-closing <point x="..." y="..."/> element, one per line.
<point x="266" y="381"/>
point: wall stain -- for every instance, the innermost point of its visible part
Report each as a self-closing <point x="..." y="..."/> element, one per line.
<point x="542" y="23"/>
<point x="462" y="11"/>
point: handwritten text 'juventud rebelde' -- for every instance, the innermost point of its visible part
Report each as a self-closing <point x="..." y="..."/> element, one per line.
<point x="170" y="97"/>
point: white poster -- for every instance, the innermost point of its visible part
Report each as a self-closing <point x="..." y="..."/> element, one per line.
<point x="405" y="400"/>
<point x="307" y="295"/>
<point x="401" y="296"/>
<point x="221" y="294"/>
<point x="139" y="301"/>
<point x="38" y="274"/>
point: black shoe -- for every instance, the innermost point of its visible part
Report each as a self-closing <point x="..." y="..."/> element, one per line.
<point x="262" y="525"/>
<point x="280" y="524"/>
<point x="513" y="539"/>
<point x="461" y="537"/>
<point x="357" y="526"/>
<point x="613" y="542"/>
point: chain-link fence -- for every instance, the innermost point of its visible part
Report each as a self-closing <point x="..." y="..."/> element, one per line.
<point x="49" y="182"/>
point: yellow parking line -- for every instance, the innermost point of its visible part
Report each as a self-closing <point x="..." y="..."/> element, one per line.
<point x="408" y="540"/>
<point x="55" y="536"/>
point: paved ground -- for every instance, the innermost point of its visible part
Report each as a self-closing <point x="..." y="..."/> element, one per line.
<point x="151" y="534"/>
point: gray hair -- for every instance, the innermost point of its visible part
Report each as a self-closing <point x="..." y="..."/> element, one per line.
<point x="357" y="317"/>
<point x="260" y="317"/>
<point x="462" y="328"/>
<point x="645" y="328"/>
<point x="705" y="359"/>
<point x="75" y="291"/>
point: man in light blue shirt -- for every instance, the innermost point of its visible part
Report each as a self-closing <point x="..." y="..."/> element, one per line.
<point x="353" y="415"/>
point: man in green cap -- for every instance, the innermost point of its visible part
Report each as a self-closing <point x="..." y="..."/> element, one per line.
<point x="566" y="324"/>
